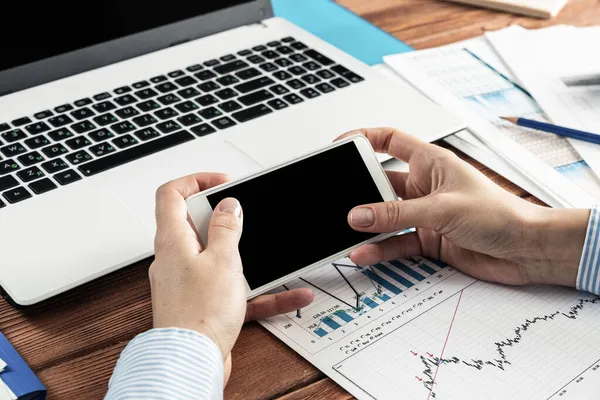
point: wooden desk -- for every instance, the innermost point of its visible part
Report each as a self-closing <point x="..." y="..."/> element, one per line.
<point x="74" y="340"/>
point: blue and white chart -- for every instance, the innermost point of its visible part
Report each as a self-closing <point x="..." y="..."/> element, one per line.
<point x="423" y="330"/>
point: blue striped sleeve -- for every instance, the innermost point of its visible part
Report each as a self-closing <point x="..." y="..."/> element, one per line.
<point x="168" y="363"/>
<point x="588" y="277"/>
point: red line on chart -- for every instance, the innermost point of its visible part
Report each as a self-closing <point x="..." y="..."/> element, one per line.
<point x="445" y="343"/>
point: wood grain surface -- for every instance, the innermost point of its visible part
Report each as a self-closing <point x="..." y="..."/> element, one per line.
<point x="73" y="341"/>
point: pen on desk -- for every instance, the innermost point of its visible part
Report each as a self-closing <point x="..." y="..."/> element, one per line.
<point x="559" y="130"/>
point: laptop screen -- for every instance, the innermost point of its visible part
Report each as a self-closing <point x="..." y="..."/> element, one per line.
<point x="45" y="29"/>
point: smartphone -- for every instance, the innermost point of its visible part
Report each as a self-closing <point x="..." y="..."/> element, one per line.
<point x="295" y="214"/>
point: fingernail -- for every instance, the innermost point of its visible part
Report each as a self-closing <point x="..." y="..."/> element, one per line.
<point x="231" y="206"/>
<point x="363" y="217"/>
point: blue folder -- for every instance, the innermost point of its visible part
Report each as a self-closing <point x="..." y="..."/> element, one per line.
<point x="342" y="28"/>
<point x="18" y="376"/>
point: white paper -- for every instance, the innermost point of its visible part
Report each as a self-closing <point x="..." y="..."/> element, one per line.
<point x="540" y="59"/>
<point x="5" y="392"/>
<point x="459" y="78"/>
<point x="425" y="331"/>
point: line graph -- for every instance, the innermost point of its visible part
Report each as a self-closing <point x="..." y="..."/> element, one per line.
<point x="485" y="341"/>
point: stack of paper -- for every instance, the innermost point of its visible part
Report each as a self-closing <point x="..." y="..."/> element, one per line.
<point x="533" y="8"/>
<point x="505" y="73"/>
<point x="5" y="392"/>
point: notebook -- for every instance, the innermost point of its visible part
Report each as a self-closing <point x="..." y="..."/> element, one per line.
<point x="533" y="8"/>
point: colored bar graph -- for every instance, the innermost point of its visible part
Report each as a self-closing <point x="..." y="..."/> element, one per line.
<point x="385" y="297"/>
<point x="427" y="269"/>
<point x="388" y="285"/>
<point x="321" y="332"/>
<point x="344" y="316"/>
<point x="331" y="323"/>
<point x="439" y="263"/>
<point x="407" y="270"/>
<point x="394" y="275"/>
<point x="369" y="302"/>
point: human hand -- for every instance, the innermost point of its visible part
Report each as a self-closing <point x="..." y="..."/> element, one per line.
<point x="203" y="289"/>
<point x="465" y="220"/>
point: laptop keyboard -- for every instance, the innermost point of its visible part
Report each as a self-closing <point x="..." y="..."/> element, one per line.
<point x="53" y="148"/>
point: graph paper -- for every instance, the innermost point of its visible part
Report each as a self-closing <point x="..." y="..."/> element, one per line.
<point x="423" y="330"/>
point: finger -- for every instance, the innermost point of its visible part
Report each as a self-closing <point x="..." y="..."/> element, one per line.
<point x="392" y="141"/>
<point x="227" y="369"/>
<point x="171" y="209"/>
<point x="280" y="303"/>
<point x="225" y="228"/>
<point x="402" y="246"/>
<point x="398" y="180"/>
<point x="391" y="216"/>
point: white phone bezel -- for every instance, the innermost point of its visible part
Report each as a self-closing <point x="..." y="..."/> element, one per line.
<point x="200" y="211"/>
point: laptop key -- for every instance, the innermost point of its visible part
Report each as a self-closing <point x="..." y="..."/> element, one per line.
<point x="186" y="106"/>
<point x="60" y="134"/>
<point x="55" y="150"/>
<point x="299" y="46"/>
<point x="4" y="127"/>
<point x="62" y="109"/>
<point x="231" y="66"/>
<point x="37" y="142"/>
<point x="16" y="195"/>
<point x="255" y="97"/>
<point x="134" y="153"/>
<point x="127" y="112"/>
<point x="255" y="84"/>
<point x="203" y="129"/>
<point x="30" y="158"/>
<point x="227" y="58"/>
<point x="146" y="134"/>
<point x="104" y="106"/>
<point x="325" y="87"/>
<point x="270" y="54"/>
<point x="7" y="182"/>
<point x="101" y="135"/>
<point x="207" y="100"/>
<point x="293" y="98"/>
<point x="188" y="93"/>
<point x="248" y="73"/>
<point x="7" y="166"/>
<point x="297" y="70"/>
<point x="224" y="123"/>
<point x="168" y="126"/>
<point x="146" y="93"/>
<point x="298" y="58"/>
<point x="67" y="177"/>
<point x="105" y="119"/>
<point x="13" y="150"/>
<point x="102" y="149"/>
<point x="78" y="157"/>
<point x="194" y="68"/>
<point x="277" y="104"/>
<point x="14" y="135"/>
<point x="42" y="186"/>
<point x="340" y="83"/>
<point x="230" y="106"/>
<point x="122" y="90"/>
<point x="176" y="74"/>
<point x="284" y="50"/>
<point x="295" y="84"/>
<point x="83" y="102"/>
<point x="30" y="174"/>
<point x="287" y="39"/>
<point x="283" y="62"/>
<point x="259" y="48"/>
<point x="185" y="81"/>
<point x="78" y="142"/>
<point x="251" y="113"/>
<point x="148" y="105"/>
<point x="21" y="121"/>
<point x="37" y="128"/>
<point x="158" y="79"/>
<point x="54" y="166"/>
<point x="311" y="66"/>
<point x="122" y="127"/>
<point x="144" y="120"/>
<point x="189" y="119"/>
<point x="140" y="84"/>
<point x="83" y="126"/>
<point x="311" y="79"/>
<point x="325" y="74"/>
<point x="125" y="100"/>
<point x="274" y="43"/>
<point x="318" y="57"/>
<point x="279" y="89"/>
<point x="268" y="67"/>
<point x="166" y="87"/>
<point x="256" y="59"/>
<point x="43" y="114"/>
<point x="310" y="93"/>
<point x="101" y="96"/>
<point x="346" y="73"/>
<point x="166" y="113"/>
<point x="205" y="75"/>
<point x="168" y="99"/>
<point x="82" y="113"/>
<point x="211" y="63"/>
<point x="282" y="75"/>
<point x="244" y="53"/>
<point x="226" y="94"/>
<point x="227" y="80"/>
<point x="60" y="120"/>
<point x="208" y="86"/>
<point x="209" y="113"/>
<point x="125" y="141"/>
<point x="2" y="204"/>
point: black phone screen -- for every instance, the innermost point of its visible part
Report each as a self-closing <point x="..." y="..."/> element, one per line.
<point x="297" y="215"/>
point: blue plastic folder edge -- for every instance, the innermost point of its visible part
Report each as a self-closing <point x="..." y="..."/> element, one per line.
<point x="341" y="28"/>
<point x="17" y="375"/>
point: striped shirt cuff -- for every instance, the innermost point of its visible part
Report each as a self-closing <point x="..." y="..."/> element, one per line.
<point x="588" y="277"/>
<point x="168" y="363"/>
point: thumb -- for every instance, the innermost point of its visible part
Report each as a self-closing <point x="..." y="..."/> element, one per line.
<point x="225" y="227"/>
<point x="391" y="216"/>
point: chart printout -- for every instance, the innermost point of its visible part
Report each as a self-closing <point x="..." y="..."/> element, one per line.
<point x="423" y="330"/>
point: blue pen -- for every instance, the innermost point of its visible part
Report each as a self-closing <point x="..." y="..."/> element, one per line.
<point x="559" y="130"/>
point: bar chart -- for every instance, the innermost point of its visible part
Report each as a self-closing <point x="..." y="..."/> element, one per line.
<point x="338" y="286"/>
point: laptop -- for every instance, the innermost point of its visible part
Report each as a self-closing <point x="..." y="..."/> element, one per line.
<point x="99" y="108"/>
